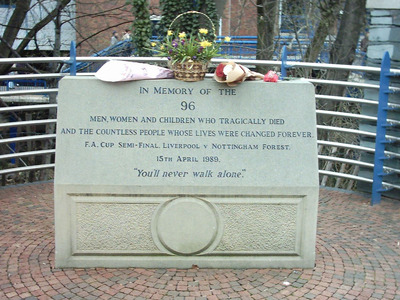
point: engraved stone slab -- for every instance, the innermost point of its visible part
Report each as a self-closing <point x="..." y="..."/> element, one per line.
<point x="164" y="173"/>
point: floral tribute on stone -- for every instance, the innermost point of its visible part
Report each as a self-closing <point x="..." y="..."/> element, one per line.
<point x="179" y="47"/>
<point x="271" y="76"/>
<point x="189" y="54"/>
<point x="232" y="74"/>
<point x="118" y="70"/>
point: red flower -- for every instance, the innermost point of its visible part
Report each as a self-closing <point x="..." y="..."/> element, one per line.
<point x="271" y="76"/>
<point x="220" y="70"/>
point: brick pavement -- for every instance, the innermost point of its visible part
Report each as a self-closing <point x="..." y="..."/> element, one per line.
<point x="358" y="257"/>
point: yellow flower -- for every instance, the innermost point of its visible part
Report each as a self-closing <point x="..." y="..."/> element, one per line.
<point x="203" y="30"/>
<point x="227" y="39"/>
<point x="170" y="32"/>
<point x="162" y="47"/>
<point x="153" y="44"/>
<point x="205" y="44"/>
<point x="182" y="35"/>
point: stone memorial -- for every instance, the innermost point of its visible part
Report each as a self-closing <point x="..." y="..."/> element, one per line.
<point x="163" y="173"/>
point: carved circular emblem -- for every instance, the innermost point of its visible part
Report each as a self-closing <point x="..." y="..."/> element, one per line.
<point x="186" y="226"/>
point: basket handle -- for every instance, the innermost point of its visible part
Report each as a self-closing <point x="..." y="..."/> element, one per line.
<point x="193" y="12"/>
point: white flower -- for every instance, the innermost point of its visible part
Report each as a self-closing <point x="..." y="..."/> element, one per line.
<point x="227" y="69"/>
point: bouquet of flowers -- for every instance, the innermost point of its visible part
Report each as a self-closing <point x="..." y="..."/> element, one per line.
<point x="189" y="54"/>
<point x="232" y="74"/>
<point x="181" y="47"/>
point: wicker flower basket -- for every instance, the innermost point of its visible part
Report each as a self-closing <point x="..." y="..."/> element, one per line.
<point x="189" y="71"/>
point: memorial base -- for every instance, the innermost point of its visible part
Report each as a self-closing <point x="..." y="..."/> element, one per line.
<point x="212" y="177"/>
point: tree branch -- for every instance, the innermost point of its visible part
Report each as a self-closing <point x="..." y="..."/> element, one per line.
<point x="40" y="25"/>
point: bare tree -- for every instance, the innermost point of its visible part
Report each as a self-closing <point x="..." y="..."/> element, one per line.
<point x="353" y="20"/>
<point x="343" y="51"/>
<point x="329" y="13"/>
<point x="61" y="4"/>
<point x="267" y="10"/>
<point x="12" y="29"/>
<point x="14" y="26"/>
<point x="109" y="15"/>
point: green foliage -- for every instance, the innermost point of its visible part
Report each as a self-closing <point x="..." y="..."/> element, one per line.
<point x="209" y="8"/>
<point x="189" y="23"/>
<point x="171" y="9"/>
<point x="141" y="27"/>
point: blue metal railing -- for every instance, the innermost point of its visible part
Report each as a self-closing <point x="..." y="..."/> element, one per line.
<point x="122" y="48"/>
<point x="72" y="59"/>
<point x="284" y="64"/>
<point x="337" y="158"/>
<point x="381" y="126"/>
<point x="27" y="83"/>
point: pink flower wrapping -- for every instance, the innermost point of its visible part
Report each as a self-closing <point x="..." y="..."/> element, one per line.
<point x="117" y="70"/>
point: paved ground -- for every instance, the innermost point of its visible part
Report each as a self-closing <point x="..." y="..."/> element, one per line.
<point x="358" y="257"/>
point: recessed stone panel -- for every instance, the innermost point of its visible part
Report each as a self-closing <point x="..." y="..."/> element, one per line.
<point x="260" y="228"/>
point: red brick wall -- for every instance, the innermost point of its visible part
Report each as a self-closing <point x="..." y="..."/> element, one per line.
<point x="239" y="19"/>
<point x="96" y="20"/>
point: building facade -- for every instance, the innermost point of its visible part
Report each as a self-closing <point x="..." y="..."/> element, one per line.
<point x="91" y="23"/>
<point x="96" y="21"/>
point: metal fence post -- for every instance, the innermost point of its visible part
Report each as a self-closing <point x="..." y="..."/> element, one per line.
<point x="380" y="140"/>
<point x="284" y="65"/>
<point x="72" y="59"/>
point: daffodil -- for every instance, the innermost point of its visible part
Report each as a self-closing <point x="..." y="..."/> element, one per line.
<point x="205" y="44"/>
<point x="153" y="44"/>
<point x="182" y="35"/>
<point x="203" y="30"/>
<point x="227" y="39"/>
<point x="170" y="32"/>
